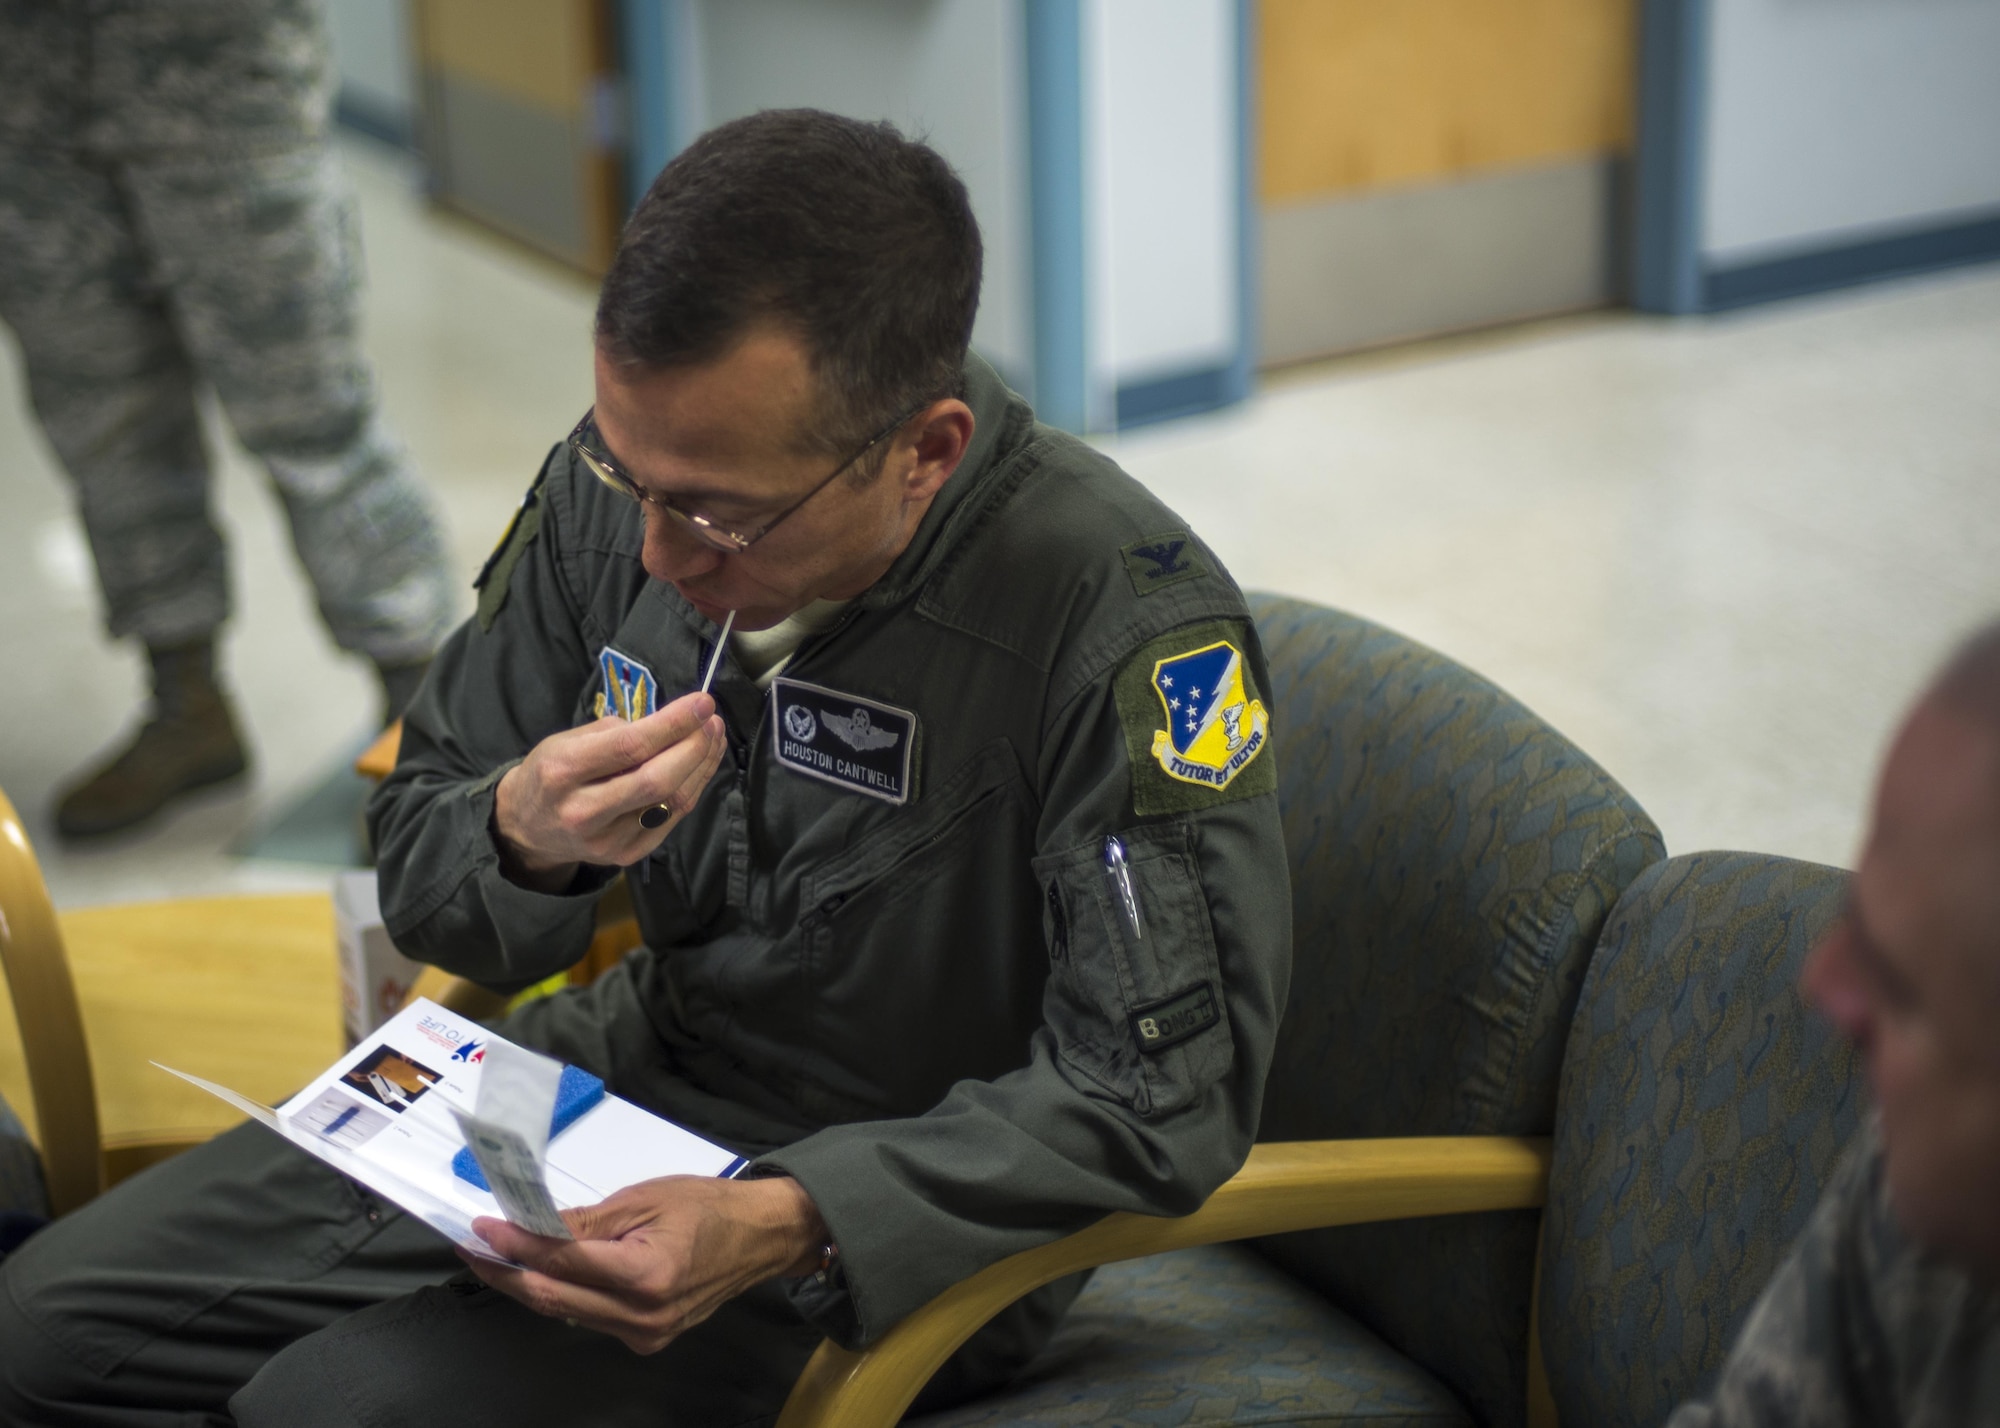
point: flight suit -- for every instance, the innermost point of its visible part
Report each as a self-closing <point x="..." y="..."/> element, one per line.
<point x="884" y="954"/>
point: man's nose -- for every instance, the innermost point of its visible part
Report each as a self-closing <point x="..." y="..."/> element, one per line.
<point x="673" y="552"/>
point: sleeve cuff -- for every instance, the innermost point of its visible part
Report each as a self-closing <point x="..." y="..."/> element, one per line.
<point x="824" y="1301"/>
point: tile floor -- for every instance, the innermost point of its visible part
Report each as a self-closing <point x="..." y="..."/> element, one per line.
<point x="1720" y="554"/>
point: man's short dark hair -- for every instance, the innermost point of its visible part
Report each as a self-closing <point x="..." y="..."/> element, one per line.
<point x="858" y="239"/>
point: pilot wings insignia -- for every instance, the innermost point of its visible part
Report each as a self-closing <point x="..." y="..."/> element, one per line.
<point x="858" y="731"/>
<point x="845" y="739"/>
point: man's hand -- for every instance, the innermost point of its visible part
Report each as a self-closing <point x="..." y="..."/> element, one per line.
<point x="578" y="795"/>
<point x="659" y="1257"/>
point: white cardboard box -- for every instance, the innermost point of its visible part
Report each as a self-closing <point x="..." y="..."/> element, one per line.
<point x="374" y="976"/>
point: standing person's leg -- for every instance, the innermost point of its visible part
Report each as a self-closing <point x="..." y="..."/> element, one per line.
<point x="114" y="394"/>
<point x="261" y="260"/>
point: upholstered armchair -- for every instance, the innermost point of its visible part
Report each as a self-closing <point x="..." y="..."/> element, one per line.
<point x="1702" y="1109"/>
<point x="1453" y="860"/>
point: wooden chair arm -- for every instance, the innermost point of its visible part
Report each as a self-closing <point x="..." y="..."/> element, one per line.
<point x="128" y="1153"/>
<point x="1284" y="1186"/>
<point x="617" y="933"/>
<point x="456" y="994"/>
<point x="378" y="760"/>
<point x="50" y="1022"/>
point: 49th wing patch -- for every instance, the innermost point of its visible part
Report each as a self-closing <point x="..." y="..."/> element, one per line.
<point x="1195" y="727"/>
<point x="1214" y="729"/>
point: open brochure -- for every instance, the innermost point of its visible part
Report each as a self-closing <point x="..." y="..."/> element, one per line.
<point x="388" y="1115"/>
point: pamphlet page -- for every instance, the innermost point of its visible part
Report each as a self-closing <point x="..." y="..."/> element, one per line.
<point x="384" y="1114"/>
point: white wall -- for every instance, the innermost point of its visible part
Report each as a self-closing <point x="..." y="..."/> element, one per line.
<point x="1842" y="120"/>
<point x="371" y="49"/>
<point x="946" y="70"/>
<point x="1160" y="190"/>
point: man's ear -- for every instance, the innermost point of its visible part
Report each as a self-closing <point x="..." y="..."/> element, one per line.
<point x="943" y="433"/>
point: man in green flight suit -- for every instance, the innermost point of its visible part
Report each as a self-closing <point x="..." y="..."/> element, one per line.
<point x="964" y="894"/>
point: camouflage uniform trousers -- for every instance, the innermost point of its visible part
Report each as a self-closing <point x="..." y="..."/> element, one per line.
<point x="131" y="281"/>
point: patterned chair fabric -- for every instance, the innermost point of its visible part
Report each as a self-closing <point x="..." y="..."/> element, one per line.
<point x="1210" y="1336"/>
<point x="1703" y="1106"/>
<point x="1453" y="860"/>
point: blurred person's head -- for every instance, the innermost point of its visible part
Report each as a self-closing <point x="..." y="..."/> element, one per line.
<point x="792" y="285"/>
<point x="1912" y="972"/>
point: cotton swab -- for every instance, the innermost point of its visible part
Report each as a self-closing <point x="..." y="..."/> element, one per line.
<point x="728" y="623"/>
<point x="659" y="813"/>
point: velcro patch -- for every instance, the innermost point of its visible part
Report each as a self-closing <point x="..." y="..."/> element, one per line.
<point x="843" y="739"/>
<point x="1196" y="729"/>
<point x="1162" y="560"/>
<point x="629" y="691"/>
<point x="498" y="570"/>
<point x="1172" y="1020"/>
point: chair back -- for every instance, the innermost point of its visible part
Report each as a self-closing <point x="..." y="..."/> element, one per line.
<point x="1703" y="1106"/>
<point x="49" y="1020"/>
<point x="1453" y="859"/>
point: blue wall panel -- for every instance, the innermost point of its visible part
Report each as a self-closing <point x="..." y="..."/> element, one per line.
<point x="1055" y="188"/>
<point x="1666" y="256"/>
<point x="649" y="138"/>
<point x="1947" y="246"/>
<point x="1241" y="371"/>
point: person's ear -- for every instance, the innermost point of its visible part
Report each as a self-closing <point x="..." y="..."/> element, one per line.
<point x="943" y="433"/>
<point x="1832" y="982"/>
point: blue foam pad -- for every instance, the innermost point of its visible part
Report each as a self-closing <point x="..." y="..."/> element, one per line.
<point x="576" y="1093"/>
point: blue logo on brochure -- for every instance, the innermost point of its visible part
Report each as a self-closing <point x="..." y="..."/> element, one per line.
<point x="630" y="691"/>
<point x="843" y="739"/>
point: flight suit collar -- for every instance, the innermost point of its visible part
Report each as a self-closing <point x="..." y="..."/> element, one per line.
<point x="1001" y="420"/>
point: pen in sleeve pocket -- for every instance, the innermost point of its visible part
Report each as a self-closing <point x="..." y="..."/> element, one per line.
<point x="1119" y="870"/>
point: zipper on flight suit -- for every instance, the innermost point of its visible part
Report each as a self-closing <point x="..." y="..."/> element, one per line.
<point x="831" y="903"/>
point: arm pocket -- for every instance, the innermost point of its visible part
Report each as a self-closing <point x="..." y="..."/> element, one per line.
<point x="1141" y="1013"/>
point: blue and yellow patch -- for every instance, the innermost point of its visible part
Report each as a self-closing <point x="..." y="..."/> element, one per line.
<point x="629" y="691"/>
<point x="1214" y="728"/>
<point x="1196" y="728"/>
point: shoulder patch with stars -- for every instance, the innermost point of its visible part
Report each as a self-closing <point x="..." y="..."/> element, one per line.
<point x="491" y="583"/>
<point x="1196" y="728"/>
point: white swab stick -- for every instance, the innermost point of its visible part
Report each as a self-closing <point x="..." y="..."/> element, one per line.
<point x="716" y="658"/>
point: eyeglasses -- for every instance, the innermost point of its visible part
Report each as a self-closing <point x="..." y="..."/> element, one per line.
<point x="588" y="443"/>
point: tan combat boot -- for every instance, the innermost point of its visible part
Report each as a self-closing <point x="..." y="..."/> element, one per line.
<point x="189" y="742"/>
